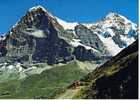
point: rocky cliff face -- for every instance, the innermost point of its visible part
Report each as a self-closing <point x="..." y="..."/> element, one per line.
<point x="3" y="49"/>
<point x="89" y="38"/>
<point x="35" y="38"/>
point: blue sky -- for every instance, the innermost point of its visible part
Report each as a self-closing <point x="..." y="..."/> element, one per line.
<point x="69" y="10"/>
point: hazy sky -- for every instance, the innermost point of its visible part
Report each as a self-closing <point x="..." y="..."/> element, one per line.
<point x="69" y="10"/>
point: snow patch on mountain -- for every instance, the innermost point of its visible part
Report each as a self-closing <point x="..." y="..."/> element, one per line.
<point x="35" y="32"/>
<point x="127" y="40"/>
<point x="88" y="25"/>
<point x="110" y="31"/>
<point x="110" y="45"/>
<point x="38" y="33"/>
<point x="66" y="25"/>
<point x="76" y="43"/>
<point x="37" y="7"/>
<point x="12" y="68"/>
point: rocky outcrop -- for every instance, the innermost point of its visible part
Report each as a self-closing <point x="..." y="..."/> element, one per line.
<point x="3" y="49"/>
<point x="89" y="38"/>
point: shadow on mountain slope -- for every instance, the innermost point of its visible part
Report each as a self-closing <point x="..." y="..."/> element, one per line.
<point x="117" y="78"/>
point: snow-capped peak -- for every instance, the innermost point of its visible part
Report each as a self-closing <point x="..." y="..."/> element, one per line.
<point x="66" y="25"/>
<point x="111" y="14"/>
<point x="127" y="22"/>
<point x="37" y="7"/>
<point x="43" y="9"/>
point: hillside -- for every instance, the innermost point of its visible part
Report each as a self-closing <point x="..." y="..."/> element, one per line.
<point x="46" y="84"/>
<point x="117" y="78"/>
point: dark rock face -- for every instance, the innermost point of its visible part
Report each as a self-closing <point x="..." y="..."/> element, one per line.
<point x="3" y="50"/>
<point x="120" y="85"/>
<point x="82" y="54"/>
<point x="52" y="51"/>
<point x="89" y="38"/>
<point x="24" y="43"/>
<point x="117" y="78"/>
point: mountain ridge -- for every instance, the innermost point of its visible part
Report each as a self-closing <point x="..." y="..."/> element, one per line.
<point x="71" y="26"/>
<point x="106" y="37"/>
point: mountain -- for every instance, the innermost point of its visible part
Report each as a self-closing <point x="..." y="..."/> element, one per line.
<point x="44" y="53"/>
<point x="115" y="31"/>
<point x="39" y="36"/>
<point x="117" y="78"/>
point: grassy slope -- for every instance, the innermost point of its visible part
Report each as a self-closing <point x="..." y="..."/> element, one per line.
<point x="46" y="84"/>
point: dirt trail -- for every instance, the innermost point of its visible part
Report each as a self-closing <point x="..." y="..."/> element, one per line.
<point x="69" y="93"/>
